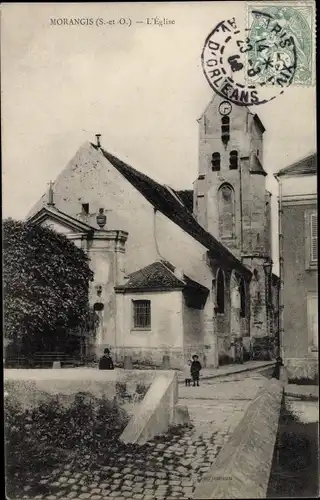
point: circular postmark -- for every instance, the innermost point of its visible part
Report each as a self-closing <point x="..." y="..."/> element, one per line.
<point x="287" y="20"/>
<point x="233" y="71"/>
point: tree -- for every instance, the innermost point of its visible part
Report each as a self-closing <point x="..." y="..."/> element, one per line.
<point x="46" y="284"/>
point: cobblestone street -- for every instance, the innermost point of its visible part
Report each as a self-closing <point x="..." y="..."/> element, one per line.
<point x="169" y="466"/>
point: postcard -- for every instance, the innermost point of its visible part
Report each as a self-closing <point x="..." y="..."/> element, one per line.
<point x="160" y="250"/>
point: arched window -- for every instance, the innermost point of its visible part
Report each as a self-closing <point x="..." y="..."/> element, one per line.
<point x="215" y="162"/>
<point x="242" y="291"/>
<point x="233" y="165"/>
<point x="220" y="292"/>
<point x="226" y="211"/>
<point x="225" y="129"/>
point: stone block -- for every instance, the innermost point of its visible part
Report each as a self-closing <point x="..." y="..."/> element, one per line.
<point x="283" y="375"/>
<point x="127" y="363"/>
<point x="156" y="412"/>
<point x="181" y="416"/>
<point x="166" y="361"/>
<point x="243" y="465"/>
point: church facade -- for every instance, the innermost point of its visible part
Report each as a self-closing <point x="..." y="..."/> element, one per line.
<point x="176" y="272"/>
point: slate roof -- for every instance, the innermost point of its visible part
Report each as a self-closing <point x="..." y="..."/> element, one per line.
<point x="256" y="165"/>
<point x="159" y="276"/>
<point x="166" y="202"/>
<point x="186" y="196"/>
<point x="305" y="166"/>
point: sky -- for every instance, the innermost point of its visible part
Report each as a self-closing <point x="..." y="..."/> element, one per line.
<point x="141" y="86"/>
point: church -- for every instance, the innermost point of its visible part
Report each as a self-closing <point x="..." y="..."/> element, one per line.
<point x="175" y="272"/>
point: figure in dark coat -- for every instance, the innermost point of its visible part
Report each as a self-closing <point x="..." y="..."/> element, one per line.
<point x="195" y="370"/>
<point x="276" y="371"/>
<point x="106" y="362"/>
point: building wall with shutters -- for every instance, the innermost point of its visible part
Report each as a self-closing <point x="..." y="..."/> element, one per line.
<point x="299" y="255"/>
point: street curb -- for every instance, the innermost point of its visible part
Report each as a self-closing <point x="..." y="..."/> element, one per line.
<point x="244" y="369"/>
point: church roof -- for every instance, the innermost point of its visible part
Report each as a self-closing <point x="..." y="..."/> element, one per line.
<point x="305" y="166"/>
<point x="186" y="196"/>
<point x="256" y="165"/>
<point x="165" y="200"/>
<point x="159" y="276"/>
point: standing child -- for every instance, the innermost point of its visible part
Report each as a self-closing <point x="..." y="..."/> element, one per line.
<point x="187" y="373"/>
<point x="195" y="370"/>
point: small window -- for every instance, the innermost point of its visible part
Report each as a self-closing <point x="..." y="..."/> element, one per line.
<point x="215" y="162"/>
<point x="314" y="237"/>
<point x="233" y="160"/>
<point x="242" y="292"/>
<point x="142" y="314"/>
<point x="226" y="210"/>
<point x="311" y="238"/>
<point x="85" y="208"/>
<point x="225" y="129"/>
<point x="258" y="152"/>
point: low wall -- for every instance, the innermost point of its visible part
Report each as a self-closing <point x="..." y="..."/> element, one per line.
<point x="34" y="386"/>
<point x="157" y="412"/>
<point x="158" y="357"/>
<point x="303" y="392"/>
<point x="305" y="411"/>
<point x="163" y="357"/>
<point x="149" y="397"/>
<point x="243" y="465"/>
<point x="302" y="368"/>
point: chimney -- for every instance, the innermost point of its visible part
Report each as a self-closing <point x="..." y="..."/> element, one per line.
<point x="50" y="195"/>
<point x="98" y="140"/>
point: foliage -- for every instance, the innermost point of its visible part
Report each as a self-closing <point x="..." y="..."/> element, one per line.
<point x="38" y="439"/>
<point x="124" y="395"/>
<point x="46" y="282"/>
<point x="263" y="348"/>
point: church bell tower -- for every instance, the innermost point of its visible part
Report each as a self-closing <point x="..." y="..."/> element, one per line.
<point x="230" y="197"/>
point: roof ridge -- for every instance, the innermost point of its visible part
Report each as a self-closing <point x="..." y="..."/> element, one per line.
<point x="309" y="155"/>
<point x="174" y="193"/>
<point x="297" y="162"/>
<point x="172" y="272"/>
<point x="124" y="164"/>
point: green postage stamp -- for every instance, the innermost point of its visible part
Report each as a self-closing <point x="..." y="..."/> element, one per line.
<point x="281" y="36"/>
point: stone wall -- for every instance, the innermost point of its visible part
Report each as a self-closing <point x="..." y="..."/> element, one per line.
<point x="149" y="397"/>
<point x="302" y="368"/>
<point x="34" y="386"/>
<point x="162" y="357"/>
<point x="165" y="330"/>
<point x="243" y="465"/>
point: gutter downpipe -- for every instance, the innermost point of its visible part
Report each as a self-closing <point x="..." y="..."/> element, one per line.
<point x="280" y="236"/>
<point x="155" y="234"/>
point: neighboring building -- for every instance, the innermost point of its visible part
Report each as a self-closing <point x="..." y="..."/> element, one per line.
<point x="176" y="272"/>
<point x="298" y="245"/>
